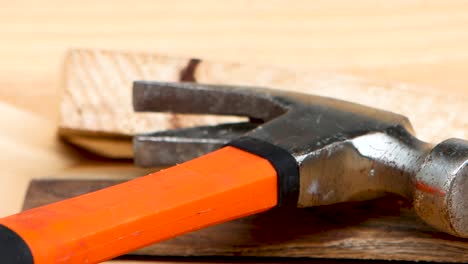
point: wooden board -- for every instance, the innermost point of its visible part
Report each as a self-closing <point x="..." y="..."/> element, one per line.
<point x="96" y="110"/>
<point x="239" y="260"/>
<point x="384" y="229"/>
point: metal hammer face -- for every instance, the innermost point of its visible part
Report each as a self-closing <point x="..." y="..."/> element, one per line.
<point x="342" y="151"/>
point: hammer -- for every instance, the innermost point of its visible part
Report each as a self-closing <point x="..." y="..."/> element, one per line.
<point x="297" y="150"/>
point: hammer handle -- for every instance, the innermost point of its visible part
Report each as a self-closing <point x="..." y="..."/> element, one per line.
<point x="223" y="185"/>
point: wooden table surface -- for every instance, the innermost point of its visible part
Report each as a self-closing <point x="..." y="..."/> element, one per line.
<point x="419" y="42"/>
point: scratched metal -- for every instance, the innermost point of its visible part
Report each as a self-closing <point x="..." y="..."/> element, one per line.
<point x="176" y="146"/>
<point x="345" y="151"/>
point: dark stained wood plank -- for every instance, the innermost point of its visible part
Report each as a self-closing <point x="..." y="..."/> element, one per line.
<point x="383" y="229"/>
<point x="132" y="259"/>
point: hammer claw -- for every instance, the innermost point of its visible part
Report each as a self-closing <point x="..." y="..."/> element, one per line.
<point x="197" y="98"/>
<point x="176" y="146"/>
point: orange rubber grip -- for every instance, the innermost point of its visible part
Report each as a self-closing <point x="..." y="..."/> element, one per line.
<point x="223" y="185"/>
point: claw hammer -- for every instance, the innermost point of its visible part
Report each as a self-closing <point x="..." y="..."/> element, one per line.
<point x="308" y="151"/>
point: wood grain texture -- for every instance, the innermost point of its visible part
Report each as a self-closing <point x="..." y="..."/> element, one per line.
<point x="422" y="42"/>
<point x="96" y="108"/>
<point x="239" y="260"/>
<point x="385" y="229"/>
<point x="244" y="260"/>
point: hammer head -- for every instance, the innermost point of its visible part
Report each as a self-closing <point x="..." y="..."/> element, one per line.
<point x="344" y="151"/>
<point x="442" y="193"/>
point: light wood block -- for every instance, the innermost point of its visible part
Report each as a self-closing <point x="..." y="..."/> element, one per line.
<point x="96" y="110"/>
